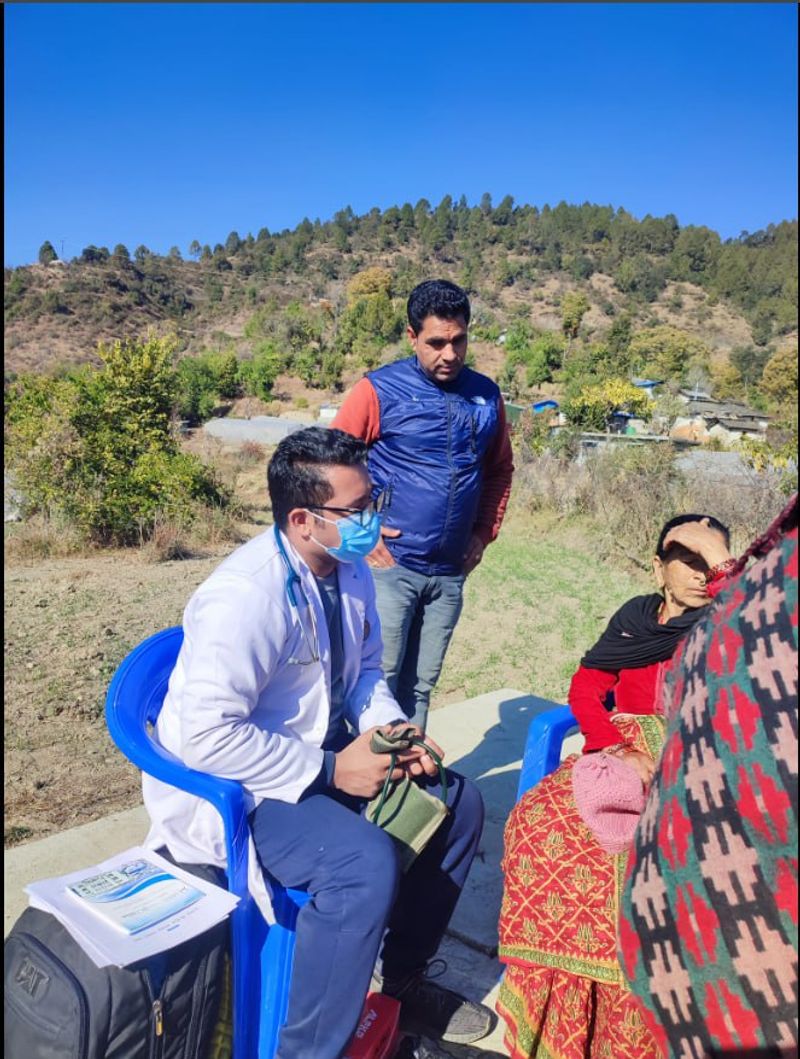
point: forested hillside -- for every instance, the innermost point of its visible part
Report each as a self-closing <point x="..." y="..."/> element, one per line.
<point x="106" y="352"/>
<point x="325" y="300"/>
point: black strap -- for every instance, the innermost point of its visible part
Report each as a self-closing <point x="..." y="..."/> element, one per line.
<point x="409" y="741"/>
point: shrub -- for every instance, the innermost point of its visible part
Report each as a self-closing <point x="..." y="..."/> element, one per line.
<point x="540" y="354"/>
<point x="330" y="371"/>
<point x="594" y="405"/>
<point x="252" y="452"/>
<point x="96" y="447"/>
<point x="368" y="324"/>
<point x="196" y="390"/>
<point x="665" y="352"/>
<point x="374" y="280"/>
<point x="224" y="369"/>
<point x="779" y="377"/>
<point x="258" y="374"/>
<point x="306" y="365"/>
<point x="629" y="491"/>
<point x="774" y="456"/>
<point x="531" y="436"/>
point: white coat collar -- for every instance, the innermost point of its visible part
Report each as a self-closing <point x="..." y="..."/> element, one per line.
<point x="349" y="573"/>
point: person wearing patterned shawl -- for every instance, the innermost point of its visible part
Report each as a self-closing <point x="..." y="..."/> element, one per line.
<point x="708" y="923"/>
<point x="563" y="994"/>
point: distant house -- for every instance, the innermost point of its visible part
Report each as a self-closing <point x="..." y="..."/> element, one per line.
<point x="549" y="408"/>
<point x="619" y="422"/>
<point x="327" y="412"/>
<point x="707" y="418"/>
<point x="648" y="385"/>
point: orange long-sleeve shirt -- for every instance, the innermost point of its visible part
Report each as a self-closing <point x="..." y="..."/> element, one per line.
<point x="360" y="415"/>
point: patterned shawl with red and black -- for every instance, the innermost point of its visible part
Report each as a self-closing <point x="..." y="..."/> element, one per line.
<point x="708" y="930"/>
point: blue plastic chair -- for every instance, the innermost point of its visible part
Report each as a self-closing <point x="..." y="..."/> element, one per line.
<point x="546" y="732"/>
<point x="261" y="954"/>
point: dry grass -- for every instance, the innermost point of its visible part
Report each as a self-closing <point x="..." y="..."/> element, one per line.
<point x="539" y="598"/>
<point x="531" y="608"/>
<point x="43" y="537"/>
<point x="68" y="623"/>
<point x="629" y="495"/>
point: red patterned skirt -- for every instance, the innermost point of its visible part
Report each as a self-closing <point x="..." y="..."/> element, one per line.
<point x="563" y="995"/>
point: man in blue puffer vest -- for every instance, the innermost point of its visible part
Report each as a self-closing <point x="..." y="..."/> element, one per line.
<point x="441" y="465"/>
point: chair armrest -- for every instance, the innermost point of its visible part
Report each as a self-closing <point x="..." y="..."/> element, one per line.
<point x="225" y="795"/>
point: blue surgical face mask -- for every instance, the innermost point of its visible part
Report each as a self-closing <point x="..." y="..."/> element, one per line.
<point x="357" y="539"/>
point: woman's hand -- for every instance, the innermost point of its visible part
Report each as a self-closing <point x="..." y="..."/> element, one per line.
<point x="700" y="538"/>
<point x="641" y="763"/>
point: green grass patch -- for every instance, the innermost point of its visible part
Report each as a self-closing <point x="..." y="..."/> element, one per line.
<point x="534" y="606"/>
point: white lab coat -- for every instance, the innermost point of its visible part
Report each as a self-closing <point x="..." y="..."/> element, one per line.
<point x="240" y="704"/>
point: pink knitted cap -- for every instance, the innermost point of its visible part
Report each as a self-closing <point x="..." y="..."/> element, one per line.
<point x="609" y="797"/>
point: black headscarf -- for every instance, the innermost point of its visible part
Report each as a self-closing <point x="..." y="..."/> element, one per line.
<point x="634" y="638"/>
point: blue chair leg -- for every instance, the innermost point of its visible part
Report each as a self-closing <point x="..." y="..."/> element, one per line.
<point x="246" y="923"/>
<point x="277" y="955"/>
<point x="542" y="754"/>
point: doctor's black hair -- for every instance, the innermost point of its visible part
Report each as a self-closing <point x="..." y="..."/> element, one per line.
<point x="436" y="297"/>
<point x="295" y="474"/>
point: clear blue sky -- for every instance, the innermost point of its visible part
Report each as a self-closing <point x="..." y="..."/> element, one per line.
<point x="164" y="123"/>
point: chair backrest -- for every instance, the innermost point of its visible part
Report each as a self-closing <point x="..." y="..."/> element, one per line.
<point x="137" y="692"/>
<point x="542" y="753"/>
<point x="133" y="703"/>
<point x="134" y="700"/>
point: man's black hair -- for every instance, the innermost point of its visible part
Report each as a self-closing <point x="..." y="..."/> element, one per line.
<point x="679" y="520"/>
<point x="436" y="297"/>
<point x="296" y="473"/>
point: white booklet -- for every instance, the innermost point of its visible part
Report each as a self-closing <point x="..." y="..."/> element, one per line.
<point x="131" y="906"/>
<point x="135" y="895"/>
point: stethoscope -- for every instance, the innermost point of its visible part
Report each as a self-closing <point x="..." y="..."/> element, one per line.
<point x="293" y="582"/>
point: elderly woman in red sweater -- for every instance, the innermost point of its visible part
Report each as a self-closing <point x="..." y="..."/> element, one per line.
<point x="563" y="994"/>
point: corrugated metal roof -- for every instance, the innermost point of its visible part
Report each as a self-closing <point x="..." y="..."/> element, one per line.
<point x="736" y="424"/>
<point x="730" y="409"/>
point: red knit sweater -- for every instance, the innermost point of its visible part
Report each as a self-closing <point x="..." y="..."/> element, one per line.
<point x="634" y="692"/>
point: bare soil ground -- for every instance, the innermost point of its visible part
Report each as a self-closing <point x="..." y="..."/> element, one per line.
<point x="531" y="609"/>
<point x="68" y="624"/>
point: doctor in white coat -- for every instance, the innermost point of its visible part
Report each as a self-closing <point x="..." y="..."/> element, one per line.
<point x="278" y="684"/>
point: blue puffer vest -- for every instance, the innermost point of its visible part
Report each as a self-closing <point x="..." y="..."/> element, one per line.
<point x="428" y="461"/>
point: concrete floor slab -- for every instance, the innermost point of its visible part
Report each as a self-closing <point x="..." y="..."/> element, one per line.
<point x="67" y="851"/>
<point x="483" y="738"/>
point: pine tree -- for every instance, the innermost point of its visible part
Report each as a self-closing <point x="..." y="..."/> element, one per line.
<point x="47" y="253"/>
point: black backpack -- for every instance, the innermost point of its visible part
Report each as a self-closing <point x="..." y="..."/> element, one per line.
<point x="59" y="1005"/>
